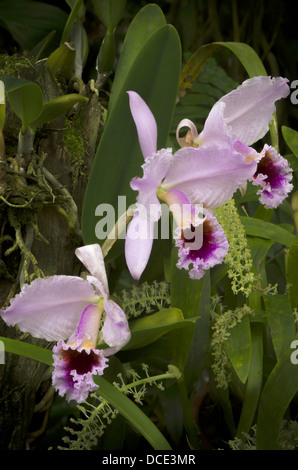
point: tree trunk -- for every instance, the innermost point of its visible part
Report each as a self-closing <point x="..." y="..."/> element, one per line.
<point x="38" y="236"/>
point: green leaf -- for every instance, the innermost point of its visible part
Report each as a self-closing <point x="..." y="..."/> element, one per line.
<point x="186" y="295"/>
<point x="254" y="381"/>
<point x="279" y="389"/>
<point x="25" y="98"/>
<point x="61" y="61"/>
<point x="150" y="328"/>
<point x="281" y="321"/>
<point x="200" y="340"/>
<point x="238" y="348"/>
<point x="109" y="12"/>
<point x="27" y="350"/>
<point x="270" y="231"/>
<point x="107" y="391"/>
<point x="291" y="138"/>
<point x="29" y="21"/>
<point x="247" y="56"/>
<point x="40" y="49"/>
<point x="185" y="292"/>
<point x="54" y="108"/>
<point x="291" y="269"/>
<point x="148" y="20"/>
<point x="77" y="11"/>
<point x="154" y="75"/>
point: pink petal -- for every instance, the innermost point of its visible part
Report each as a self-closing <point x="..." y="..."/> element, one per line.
<point x="145" y="124"/>
<point x="209" y="176"/>
<point x="216" y="132"/>
<point x="250" y="107"/>
<point x="138" y="244"/>
<point x="92" y="258"/>
<point x="154" y="170"/>
<point x="49" y="308"/>
<point x="116" y="332"/>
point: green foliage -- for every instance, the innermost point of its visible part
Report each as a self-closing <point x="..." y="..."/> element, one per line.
<point x="232" y="325"/>
<point x="118" y="154"/>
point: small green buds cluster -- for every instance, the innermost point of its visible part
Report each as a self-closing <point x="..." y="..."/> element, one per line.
<point x="239" y="257"/>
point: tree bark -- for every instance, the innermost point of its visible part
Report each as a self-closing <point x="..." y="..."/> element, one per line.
<point x="34" y="205"/>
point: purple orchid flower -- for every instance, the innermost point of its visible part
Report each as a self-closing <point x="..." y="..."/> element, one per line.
<point x="273" y="174"/>
<point x="240" y="119"/>
<point x="199" y="237"/>
<point x="61" y="307"/>
<point x="207" y="170"/>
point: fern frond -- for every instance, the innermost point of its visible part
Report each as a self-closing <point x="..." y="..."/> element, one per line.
<point x="147" y="298"/>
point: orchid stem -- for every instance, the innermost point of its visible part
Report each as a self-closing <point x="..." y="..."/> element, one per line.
<point x="118" y="228"/>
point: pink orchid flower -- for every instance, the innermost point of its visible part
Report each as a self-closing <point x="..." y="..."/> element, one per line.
<point x="241" y="118"/>
<point x="61" y="307"/>
<point x="207" y="170"/>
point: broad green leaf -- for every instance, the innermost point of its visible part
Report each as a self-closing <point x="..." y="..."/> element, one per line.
<point x="29" y="21"/>
<point x="279" y="389"/>
<point x="254" y="381"/>
<point x="291" y="138"/>
<point x="25" y="98"/>
<point x="185" y="292"/>
<point x="292" y="278"/>
<point x="150" y="328"/>
<point x="148" y="20"/>
<point x="270" y="231"/>
<point x="61" y="60"/>
<point x="247" y="56"/>
<point x="154" y="75"/>
<point x="281" y="321"/>
<point x="54" y="108"/>
<point x="107" y="391"/>
<point x="109" y="11"/>
<point x="238" y="348"/>
<point x="27" y="350"/>
<point x="106" y="56"/>
<point x="186" y="295"/>
<point x="200" y="340"/>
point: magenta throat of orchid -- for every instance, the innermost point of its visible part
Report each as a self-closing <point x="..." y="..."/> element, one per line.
<point x="268" y="168"/>
<point x="81" y="361"/>
<point x="208" y="243"/>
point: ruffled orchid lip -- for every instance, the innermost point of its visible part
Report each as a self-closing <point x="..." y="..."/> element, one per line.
<point x="74" y="369"/>
<point x="83" y="361"/>
<point x="273" y="174"/>
<point x="211" y="251"/>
